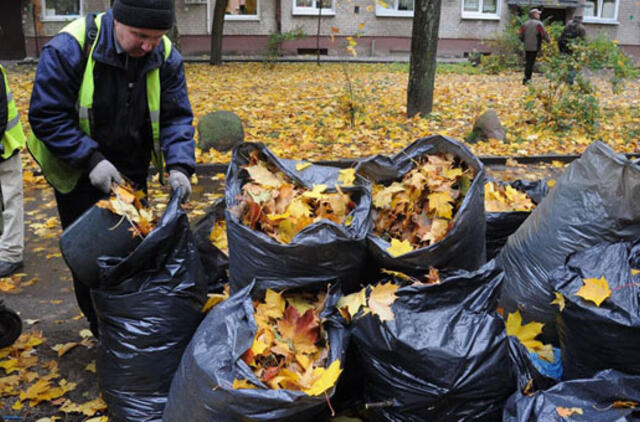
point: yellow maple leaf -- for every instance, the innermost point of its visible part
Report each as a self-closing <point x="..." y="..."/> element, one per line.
<point x="382" y="197"/>
<point x="634" y="271"/>
<point x="88" y="408"/>
<point x="440" y="202"/>
<point x="262" y="175"/>
<point x="273" y="305"/>
<point x="559" y="300"/>
<point x="62" y="349"/>
<point x="316" y="192"/>
<point x="91" y="367"/>
<point x="527" y="335"/>
<point x="381" y="298"/>
<point x="567" y="412"/>
<point x="299" y="208"/>
<point x="242" y="384"/>
<point x="399" y="247"/>
<point x="302" y="165"/>
<point x="324" y="379"/>
<point x="212" y="300"/>
<point x="347" y="177"/>
<point x="353" y="302"/>
<point x="594" y="289"/>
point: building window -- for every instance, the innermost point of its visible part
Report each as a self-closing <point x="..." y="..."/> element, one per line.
<point x="61" y="9"/>
<point x="601" y="11"/>
<point x="400" y="8"/>
<point x="242" y="10"/>
<point x="481" y="9"/>
<point x="311" y="7"/>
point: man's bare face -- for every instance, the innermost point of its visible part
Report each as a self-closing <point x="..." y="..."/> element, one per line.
<point x="137" y="42"/>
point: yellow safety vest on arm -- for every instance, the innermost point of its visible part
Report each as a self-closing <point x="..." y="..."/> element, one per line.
<point x="13" y="138"/>
<point x="61" y="175"/>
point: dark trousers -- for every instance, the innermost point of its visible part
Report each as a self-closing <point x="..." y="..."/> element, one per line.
<point x="70" y="207"/>
<point x="530" y="60"/>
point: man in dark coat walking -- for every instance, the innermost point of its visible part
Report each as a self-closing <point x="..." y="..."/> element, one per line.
<point x="532" y="33"/>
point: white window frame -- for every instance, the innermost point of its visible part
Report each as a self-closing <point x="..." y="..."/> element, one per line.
<point x="58" y="18"/>
<point x="395" y="13"/>
<point x="254" y="18"/>
<point x="598" y="19"/>
<point x="465" y="14"/>
<point x="313" y="11"/>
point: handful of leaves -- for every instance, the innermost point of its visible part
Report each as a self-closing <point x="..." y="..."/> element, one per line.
<point x="419" y="210"/>
<point x="280" y="208"/>
<point x="127" y="202"/>
<point x="504" y="198"/>
<point x="290" y="347"/>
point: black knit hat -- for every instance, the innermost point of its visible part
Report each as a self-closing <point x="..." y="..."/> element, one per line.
<point x="150" y="14"/>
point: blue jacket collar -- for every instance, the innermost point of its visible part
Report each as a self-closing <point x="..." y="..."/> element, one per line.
<point x="105" y="51"/>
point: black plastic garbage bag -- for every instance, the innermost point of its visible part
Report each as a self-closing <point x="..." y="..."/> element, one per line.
<point x="10" y="326"/>
<point x="202" y="388"/>
<point x="594" y="338"/>
<point x="323" y="249"/>
<point x="148" y="307"/>
<point x="444" y="356"/>
<point x="591" y="399"/>
<point x="214" y="261"/>
<point x="501" y="225"/>
<point x="597" y="199"/>
<point x="464" y="245"/>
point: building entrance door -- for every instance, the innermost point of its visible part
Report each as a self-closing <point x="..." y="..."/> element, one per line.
<point x="11" y="34"/>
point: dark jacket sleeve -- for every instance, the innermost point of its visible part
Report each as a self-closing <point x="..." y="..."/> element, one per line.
<point x="52" y="112"/>
<point x="176" y="117"/>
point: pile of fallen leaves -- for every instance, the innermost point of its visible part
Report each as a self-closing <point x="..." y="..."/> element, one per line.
<point x="273" y="204"/>
<point x="505" y="198"/>
<point x="290" y="347"/>
<point x="419" y="210"/>
<point x="127" y="202"/>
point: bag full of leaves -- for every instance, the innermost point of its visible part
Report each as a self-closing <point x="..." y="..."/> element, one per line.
<point x="148" y="306"/>
<point x="431" y="348"/>
<point x="610" y="396"/>
<point x="210" y="233"/>
<point x="428" y="207"/>
<point x="599" y="315"/>
<point x="506" y="207"/>
<point x="294" y="220"/>
<point x="112" y="227"/>
<point x="595" y="200"/>
<point x="271" y="352"/>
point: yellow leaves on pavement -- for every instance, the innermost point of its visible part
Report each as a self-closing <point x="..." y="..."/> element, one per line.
<point x="527" y="335"/>
<point x="64" y="348"/>
<point x="567" y="412"/>
<point x="88" y="408"/>
<point x="595" y="290"/>
<point x="559" y="300"/>
<point x="399" y="247"/>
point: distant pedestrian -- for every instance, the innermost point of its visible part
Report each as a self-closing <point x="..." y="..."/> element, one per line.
<point x="532" y="34"/>
<point x="573" y="31"/>
<point x="12" y="140"/>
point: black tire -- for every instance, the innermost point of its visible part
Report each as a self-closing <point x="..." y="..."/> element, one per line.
<point x="10" y="326"/>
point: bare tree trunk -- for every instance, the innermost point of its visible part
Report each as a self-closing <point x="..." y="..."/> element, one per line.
<point x="216" y="32"/>
<point x="318" y="33"/>
<point x="424" y="46"/>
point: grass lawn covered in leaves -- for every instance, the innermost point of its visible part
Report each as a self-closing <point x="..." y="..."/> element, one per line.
<point x="303" y="110"/>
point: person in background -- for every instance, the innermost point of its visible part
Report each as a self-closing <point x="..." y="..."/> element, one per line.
<point x="532" y="34"/>
<point x="573" y="31"/>
<point x="110" y="96"/>
<point x="13" y="140"/>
